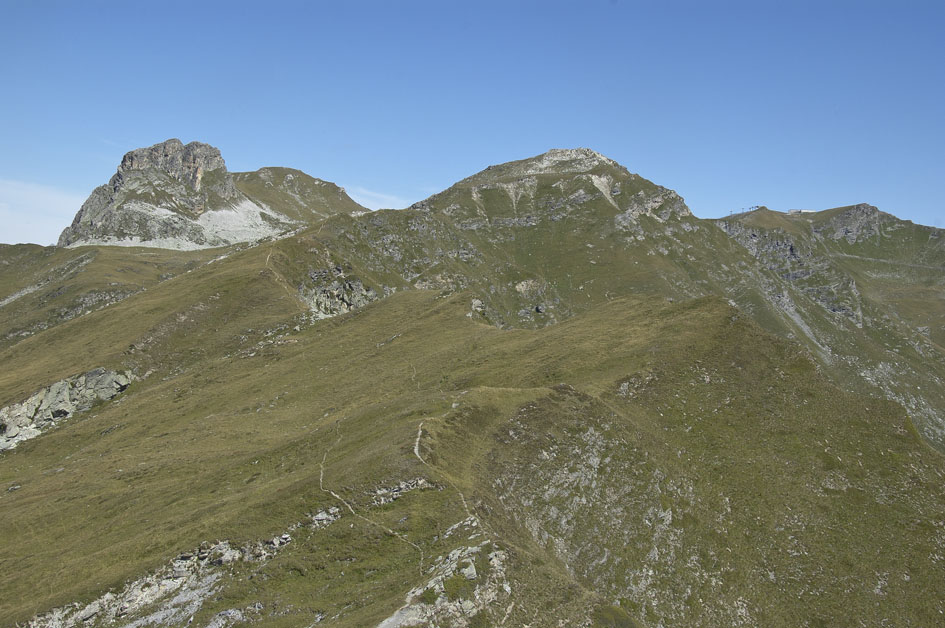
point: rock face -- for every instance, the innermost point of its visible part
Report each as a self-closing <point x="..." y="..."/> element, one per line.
<point x="187" y="164"/>
<point x="178" y="196"/>
<point x="341" y="296"/>
<point x="44" y="409"/>
<point x="795" y="261"/>
<point x="334" y="293"/>
<point x="857" y="223"/>
<point x="456" y="590"/>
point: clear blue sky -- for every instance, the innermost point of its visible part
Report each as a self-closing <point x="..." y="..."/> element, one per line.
<point x="732" y="104"/>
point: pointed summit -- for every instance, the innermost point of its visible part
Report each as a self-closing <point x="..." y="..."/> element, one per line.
<point x="560" y="161"/>
<point x="567" y="160"/>
<point x="560" y="182"/>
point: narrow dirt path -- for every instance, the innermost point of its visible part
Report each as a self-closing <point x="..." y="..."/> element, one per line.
<point x="321" y="485"/>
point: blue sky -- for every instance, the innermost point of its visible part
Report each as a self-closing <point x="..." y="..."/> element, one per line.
<point x="732" y="104"/>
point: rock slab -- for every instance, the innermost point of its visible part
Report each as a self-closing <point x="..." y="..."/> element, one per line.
<point x="45" y="408"/>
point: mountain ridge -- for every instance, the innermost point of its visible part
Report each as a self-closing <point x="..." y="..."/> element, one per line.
<point x="534" y="397"/>
<point x="188" y="164"/>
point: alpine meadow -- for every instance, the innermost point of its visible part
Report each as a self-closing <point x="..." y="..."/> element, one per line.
<point x="548" y="395"/>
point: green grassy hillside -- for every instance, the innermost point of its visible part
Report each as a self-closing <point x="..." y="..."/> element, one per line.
<point x="561" y="400"/>
<point x="295" y="194"/>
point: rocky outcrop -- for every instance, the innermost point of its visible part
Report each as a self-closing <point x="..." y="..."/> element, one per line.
<point x="341" y="296"/>
<point x="333" y="293"/>
<point x="187" y="164"/>
<point x="794" y="261"/>
<point x="157" y="196"/>
<point x="765" y="243"/>
<point x="174" y="592"/>
<point x="46" y="408"/>
<point x="461" y="585"/>
<point x="856" y="223"/>
<point x="181" y="196"/>
<point x="386" y="494"/>
<point x="662" y="205"/>
<point x="561" y="161"/>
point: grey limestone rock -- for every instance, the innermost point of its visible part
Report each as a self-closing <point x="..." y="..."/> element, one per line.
<point x="187" y="164"/>
<point x="172" y="195"/>
<point x="45" y="408"/>
<point x="386" y="494"/>
<point x="334" y="293"/>
<point x="662" y="205"/>
<point x="341" y="296"/>
<point x="172" y="593"/>
<point x="490" y="589"/>
<point x="856" y="223"/>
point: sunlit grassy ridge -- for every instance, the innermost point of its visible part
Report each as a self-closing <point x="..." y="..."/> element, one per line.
<point x="229" y="448"/>
<point x="659" y="420"/>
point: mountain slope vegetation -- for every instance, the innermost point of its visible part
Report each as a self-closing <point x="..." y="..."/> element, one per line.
<point x="548" y="395"/>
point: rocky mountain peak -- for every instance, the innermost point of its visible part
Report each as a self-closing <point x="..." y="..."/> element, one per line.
<point x="560" y="161"/>
<point x="186" y="163"/>
<point x="568" y="160"/>
<point x="181" y="196"/>
<point x="862" y="209"/>
<point x="856" y="222"/>
<point x="560" y="183"/>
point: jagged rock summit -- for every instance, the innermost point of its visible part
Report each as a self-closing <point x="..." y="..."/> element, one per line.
<point x="181" y="196"/>
<point x="186" y="163"/>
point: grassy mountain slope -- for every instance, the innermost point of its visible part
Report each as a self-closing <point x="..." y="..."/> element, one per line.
<point x="540" y="240"/>
<point x="295" y="194"/>
<point x="573" y="471"/>
<point x="864" y="288"/>
<point x="621" y="414"/>
<point x="45" y="286"/>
